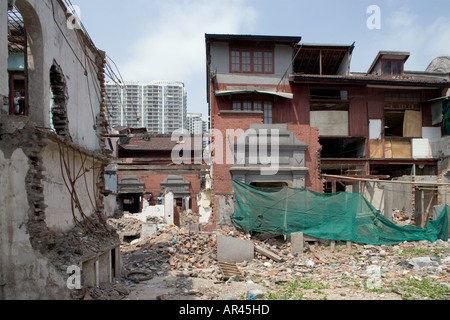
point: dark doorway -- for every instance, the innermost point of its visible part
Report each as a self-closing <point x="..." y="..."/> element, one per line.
<point x="131" y="202"/>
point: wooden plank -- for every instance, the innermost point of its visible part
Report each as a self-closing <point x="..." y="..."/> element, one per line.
<point x="412" y="124"/>
<point x="268" y="253"/>
<point x="388" y="149"/>
<point x="401" y="149"/>
<point x="376" y="149"/>
<point x="229" y="270"/>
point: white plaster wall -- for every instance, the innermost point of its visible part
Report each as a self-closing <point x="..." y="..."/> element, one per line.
<point x="111" y="205"/>
<point x="61" y="44"/>
<point x="168" y="208"/>
<point x="58" y="214"/>
<point x="24" y="274"/>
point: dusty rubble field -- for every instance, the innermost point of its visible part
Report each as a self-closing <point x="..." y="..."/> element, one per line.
<point x="175" y="264"/>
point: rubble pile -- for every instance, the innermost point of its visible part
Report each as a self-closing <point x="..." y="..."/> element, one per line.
<point x="401" y="218"/>
<point x="182" y="255"/>
<point x="173" y="251"/>
<point x="126" y="227"/>
<point x="351" y="268"/>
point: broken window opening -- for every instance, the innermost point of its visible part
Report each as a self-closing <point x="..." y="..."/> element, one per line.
<point x="402" y="115"/>
<point x="58" y="92"/>
<point x="343" y="148"/>
<point x="393" y="123"/>
<point x="17" y="64"/>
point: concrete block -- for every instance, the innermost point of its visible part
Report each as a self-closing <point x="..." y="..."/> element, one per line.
<point x="234" y="250"/>
<point x="148" y="230"/>
<point x="297" y="242"/>
<point x="423" y="262"/>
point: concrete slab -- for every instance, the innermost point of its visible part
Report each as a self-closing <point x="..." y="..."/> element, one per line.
<point x="234" y="250"/>
<point x="148" y="230"/>
<point x="297" y="242"/>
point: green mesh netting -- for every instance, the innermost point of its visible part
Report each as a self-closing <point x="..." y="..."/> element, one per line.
<point x="339" y="216"/>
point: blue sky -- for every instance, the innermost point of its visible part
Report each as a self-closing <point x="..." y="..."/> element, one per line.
<point x="164" y="39"/>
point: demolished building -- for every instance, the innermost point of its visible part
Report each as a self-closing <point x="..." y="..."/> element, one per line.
<point x="146" y="172"/>
<point x="382" y="133"/>
<point x="52" y="155"/>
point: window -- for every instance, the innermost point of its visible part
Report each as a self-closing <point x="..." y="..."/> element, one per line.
<point x="392" y="68"/>
<point x="249" y="105"/>
<point x="17" y="64"/>
<point x="268" y="62"/>
<point x="251" y="61"/>
<point x="267" y="112"/>
<point x="246" y="61"/>
<point x="235" y="61"/>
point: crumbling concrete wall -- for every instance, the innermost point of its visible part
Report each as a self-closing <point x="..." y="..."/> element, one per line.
<point x="52" y="181"/>
<point x="24" y="272"/>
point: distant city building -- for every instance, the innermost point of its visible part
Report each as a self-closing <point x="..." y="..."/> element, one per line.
<point x="159" y="106"/>
<point x="195" y="123"/>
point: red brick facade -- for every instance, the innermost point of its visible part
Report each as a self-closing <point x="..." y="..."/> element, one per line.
<point x="222" y="184"/>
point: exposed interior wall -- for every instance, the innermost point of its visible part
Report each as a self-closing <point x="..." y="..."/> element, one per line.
<point x="70" y="186"/>
<point x="326" y="122"/>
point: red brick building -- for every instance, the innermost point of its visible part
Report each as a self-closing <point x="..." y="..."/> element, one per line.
<point x="147" y="160"/>
<point x="381" y="124"/>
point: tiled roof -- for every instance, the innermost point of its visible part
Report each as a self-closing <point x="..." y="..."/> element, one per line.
<point x="155" y="143"/>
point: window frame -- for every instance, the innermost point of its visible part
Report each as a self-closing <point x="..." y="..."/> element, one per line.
<point x="268" y="112"/>
<point x="391" y="61"/>
<point x="265" y="63"/>
<point x="264" y="106"/>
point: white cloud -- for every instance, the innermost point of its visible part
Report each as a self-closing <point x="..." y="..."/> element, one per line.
<point x="173" y="46"/>
<point x="406" y="31"/>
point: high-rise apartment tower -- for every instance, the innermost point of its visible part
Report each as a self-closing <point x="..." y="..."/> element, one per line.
<point x="159" y="106"/>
